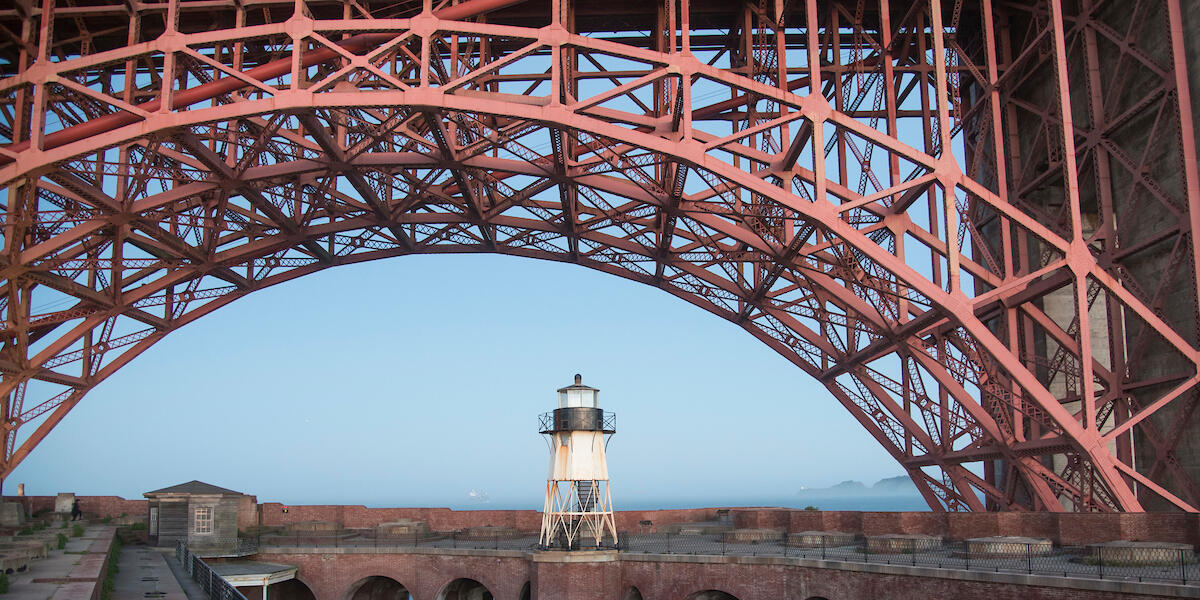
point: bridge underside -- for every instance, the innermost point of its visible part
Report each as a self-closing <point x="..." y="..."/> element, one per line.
<point x="879" y="190"/>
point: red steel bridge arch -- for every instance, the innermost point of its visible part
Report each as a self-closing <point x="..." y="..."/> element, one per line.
<point x="980" y="313"/>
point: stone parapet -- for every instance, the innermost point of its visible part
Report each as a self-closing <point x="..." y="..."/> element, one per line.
<point x="820" y="539"/>
<point x="902" y="543"/>
<point x="1008" y="545"/>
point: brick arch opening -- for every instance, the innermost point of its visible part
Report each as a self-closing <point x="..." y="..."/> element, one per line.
<point x="526" y="591"/>
<point x="712" y="595"/>
<point x="377" y="587"/>
<point x="632" y="594"/>
<point x="292" y="589"/>
<point x="465" y="589"/>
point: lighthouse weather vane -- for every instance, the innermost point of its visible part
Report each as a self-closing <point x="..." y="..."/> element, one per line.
<point x="578" y="510"/>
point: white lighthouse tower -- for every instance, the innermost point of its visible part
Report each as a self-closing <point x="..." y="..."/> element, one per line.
<point x="578" y="511"/>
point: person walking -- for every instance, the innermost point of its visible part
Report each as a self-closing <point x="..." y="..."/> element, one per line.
<point x="75" y="512"/>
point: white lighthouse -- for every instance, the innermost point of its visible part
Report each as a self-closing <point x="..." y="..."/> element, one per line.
<point x="578" y="510"/>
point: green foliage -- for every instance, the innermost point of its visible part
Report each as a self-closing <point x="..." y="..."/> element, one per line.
<point x="63" y="526"/>
<point x="76" y="530"/>
<point x="25" y="531"/>
<point x="110" y="578"/>
<point x="811" y="508"/>
<point x="62" y="541"/>
<point x="39" y="526"/>
<point x="3" y="583"/>
<point x="106" y="520"/>
<point x="138" y="527"/>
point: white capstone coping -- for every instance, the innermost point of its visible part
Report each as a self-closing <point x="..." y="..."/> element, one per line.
<point x="817" y="539"/>
<point x="1142" y="553"/>
<point x="902" y="542"/>
<point x="752" y="536"/>
<point x="1009" y="545"/>
<point x="402" y="527"/>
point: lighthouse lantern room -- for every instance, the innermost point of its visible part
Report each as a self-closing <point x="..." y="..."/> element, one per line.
<point x="578" y="510"/>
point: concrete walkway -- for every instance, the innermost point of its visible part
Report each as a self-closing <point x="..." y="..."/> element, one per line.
<point x="145" y="575"/>
<point x="77" y="572"/>
<point x="68" y="574"/>
<point x="189" y="585"/>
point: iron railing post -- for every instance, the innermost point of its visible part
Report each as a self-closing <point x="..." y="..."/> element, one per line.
<point x="668" y="542"/>
<point x="1100" y="562"/>
<point x="822" y="547"/>
<point x="1182" y="568"/>
<point x="967" y="555"/>
<point x="1029" y="558"/>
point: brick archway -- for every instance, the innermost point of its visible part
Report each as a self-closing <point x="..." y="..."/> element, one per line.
<point x="292" y="589"/>
<point x="711" y="595"/>
<point x="465" y="589"/>
<point x="377" y="587"/>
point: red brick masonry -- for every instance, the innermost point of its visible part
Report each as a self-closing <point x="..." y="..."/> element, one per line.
<point x="426" y="574"/>
<point x="427" y="571"/>
<point x="1064" y="529"/>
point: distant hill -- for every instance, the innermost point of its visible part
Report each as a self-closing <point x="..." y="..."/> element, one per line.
<point x="901" y="484"/>
<point x="890" y="486"/>
<point x="849" y="486"/>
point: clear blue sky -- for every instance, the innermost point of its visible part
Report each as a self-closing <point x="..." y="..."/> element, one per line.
<point x="413" y="381"/>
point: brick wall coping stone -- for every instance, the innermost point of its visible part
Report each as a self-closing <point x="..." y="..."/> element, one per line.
<point x="1010" y="539"/>
<point x="1008" y="545"/>
<point x="580" y="556"/>
<point x="1150" y="545"/>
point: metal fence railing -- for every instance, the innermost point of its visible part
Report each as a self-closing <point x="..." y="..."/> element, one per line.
<point x="214" y="586"/>
<point x="1166" y="564"/>
<point x="608" y="421"/>
<point x="224" y="547"/>
<point x="368" y="541"/>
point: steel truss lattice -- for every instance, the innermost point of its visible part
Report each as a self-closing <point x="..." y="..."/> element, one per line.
<point x="879" y="190"/>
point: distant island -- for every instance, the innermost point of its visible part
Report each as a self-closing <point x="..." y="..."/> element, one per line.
<point x="890" y="486"/>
